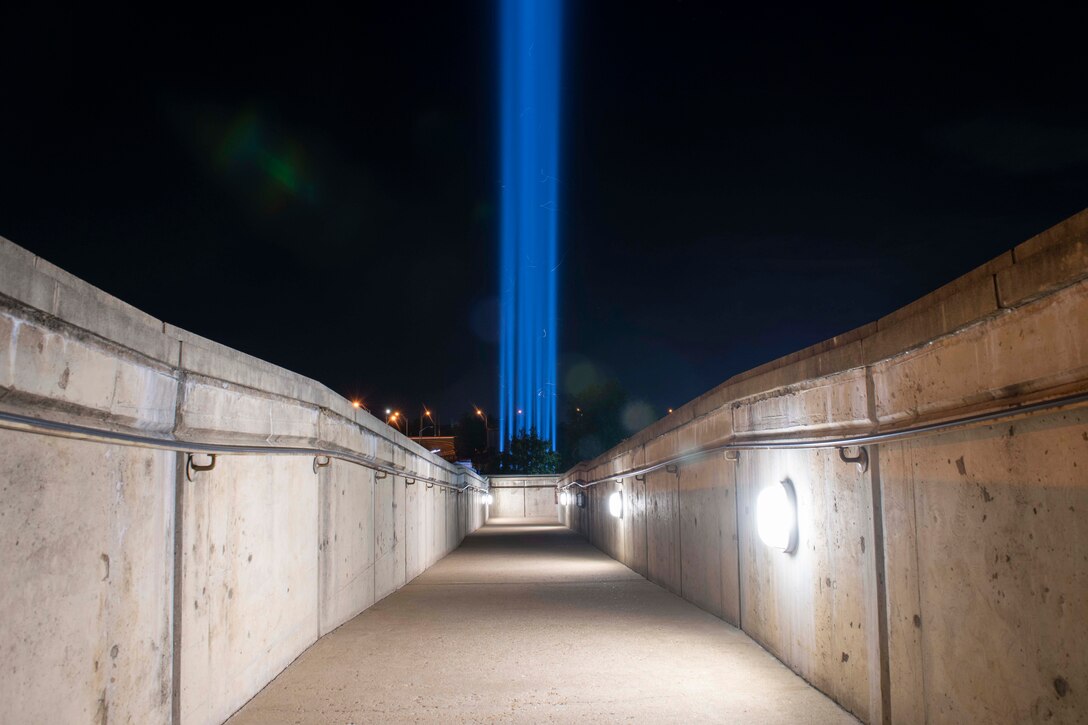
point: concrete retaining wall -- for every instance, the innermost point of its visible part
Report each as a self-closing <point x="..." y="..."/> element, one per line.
<point x="524" y="497"/>
<point x="128" y="593"/>
<point x="948" y="583"/>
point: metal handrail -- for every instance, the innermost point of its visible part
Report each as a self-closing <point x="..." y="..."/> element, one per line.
<point x="848" y="442"/>
<point x="42" y="426"/>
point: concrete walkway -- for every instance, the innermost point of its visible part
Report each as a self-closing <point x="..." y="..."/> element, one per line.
<point x="527" y="622"/>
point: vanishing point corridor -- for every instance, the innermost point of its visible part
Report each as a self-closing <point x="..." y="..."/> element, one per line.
<point x="527" y="622"/>
<point x="192" y="535"/>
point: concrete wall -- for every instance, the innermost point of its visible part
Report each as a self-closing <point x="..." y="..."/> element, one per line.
<point x="129" y="594"/>
<point x="524" y="497"/>
<point x="948" y="583"/>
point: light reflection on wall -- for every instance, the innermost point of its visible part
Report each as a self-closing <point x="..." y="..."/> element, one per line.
<point x="529" y="82"/>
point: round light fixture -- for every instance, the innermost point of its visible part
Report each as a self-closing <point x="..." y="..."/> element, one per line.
<point x="776" y="516"/>
<point x="615" y="504"/>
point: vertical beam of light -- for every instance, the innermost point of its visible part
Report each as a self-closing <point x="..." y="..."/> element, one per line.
<point x="507" y="254"/>
<point x="529" y="108"/>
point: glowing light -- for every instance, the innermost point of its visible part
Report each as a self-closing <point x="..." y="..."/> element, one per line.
<point x="356" y="404"/>
<point x="388" y="411"/>
<point x="529" y="84"/>
<point x="564" y="498"/>
<point x="670" y="411"/>
<point x="776" y="516"/>
<point x="488" y="498"/>
<point x="615" y="504"/>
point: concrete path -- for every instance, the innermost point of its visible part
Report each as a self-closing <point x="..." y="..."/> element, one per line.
<point x="527" y="622"/>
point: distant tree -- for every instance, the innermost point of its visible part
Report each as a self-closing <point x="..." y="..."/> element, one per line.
<point x="527" y="453"/>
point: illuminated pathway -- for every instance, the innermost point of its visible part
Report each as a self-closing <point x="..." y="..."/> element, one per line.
<point x="527" y="622"/>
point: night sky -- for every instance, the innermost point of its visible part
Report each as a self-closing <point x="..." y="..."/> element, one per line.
<point x="320" y="191"/>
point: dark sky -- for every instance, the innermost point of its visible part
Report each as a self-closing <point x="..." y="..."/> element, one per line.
<point x="319" y="190"/>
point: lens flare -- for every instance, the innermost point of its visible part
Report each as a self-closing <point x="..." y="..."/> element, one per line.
<point x="272" y="168"/>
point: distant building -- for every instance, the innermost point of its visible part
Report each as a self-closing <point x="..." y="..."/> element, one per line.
<point x="439" y="445"/>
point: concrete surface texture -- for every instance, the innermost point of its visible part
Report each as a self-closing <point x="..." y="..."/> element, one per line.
<point x="948" y="582"/>
<point x="524" y="496"/>
<point x="86" y="576"/>
<point x="527" y="622"/>
<point x="129" y="593"/>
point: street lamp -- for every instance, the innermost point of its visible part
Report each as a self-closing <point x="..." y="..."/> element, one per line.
<point x="427" y="414"/>
<point x="393" y="419"/>
<point x="487" y="430"/>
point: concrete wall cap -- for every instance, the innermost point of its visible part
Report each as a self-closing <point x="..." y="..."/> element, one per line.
<point x="1051" y="261"/>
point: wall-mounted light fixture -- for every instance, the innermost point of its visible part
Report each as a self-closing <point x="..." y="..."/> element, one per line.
<point x="564" y="498"/>
<point x="615" y="504"/>
<point x="488" y="498"/>
<point x="580" y="499"/>
<point x="776" y="516"/>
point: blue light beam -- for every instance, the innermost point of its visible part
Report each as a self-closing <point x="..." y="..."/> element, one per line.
<point x="529" y="80"/>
